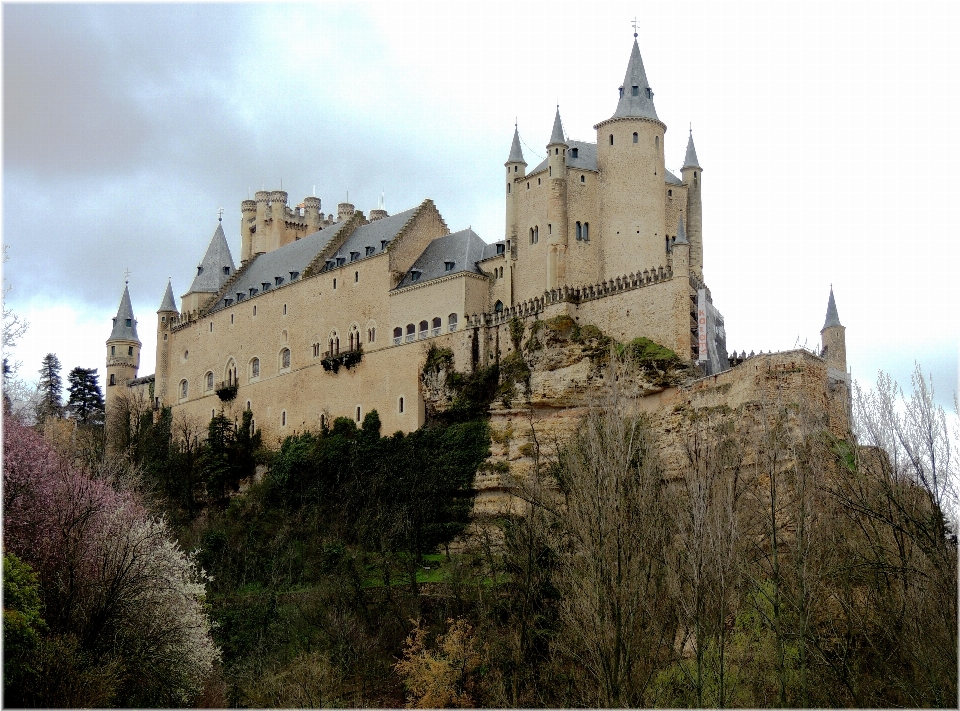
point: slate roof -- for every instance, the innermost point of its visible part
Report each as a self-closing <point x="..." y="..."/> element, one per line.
<point x="168" y="303"/>
<point x="586" y="157"/>
<point x="681" y="232"/>
<point x="673" y="179"/>
<point x="210" y="275"/>
<point x="463" y="248"/>
<point x="833" y="318"/>
<point x="557" y="135"/>
<point x="639" y="105"/>
<point x="516" y="153"/>
<point x="124" y="324"/>
<point x="490" y="250"/>
<point x="373" y="235"/>
<point x="690" y="160"/>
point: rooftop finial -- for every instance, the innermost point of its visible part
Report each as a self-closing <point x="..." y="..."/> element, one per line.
<point x="220" y="215"/>
<point x="126" y="276"/>
<point x="634" y="26"/>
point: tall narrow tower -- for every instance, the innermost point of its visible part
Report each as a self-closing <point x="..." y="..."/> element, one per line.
<point x="516" y="168"/>
<point x="123" y="350"/>
<point x="631" y="193"/>
<point x="165" y="316"/>
<point x="557" y="205"/>
<point x="691" y="172"/>
<point x="833" y="338"/>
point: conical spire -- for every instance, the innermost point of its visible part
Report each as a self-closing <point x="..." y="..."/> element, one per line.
<point x="690" y="160"/>
<point x="516" y="153"/>
<point x="124" y="324"/>
<point x="557" y="135"/>
<point x="681" y="233"/>
<point x="168" y="303"/>
<point x="216" y="267"/>
<point x="636" y="96"/>
<point x="832" y="319"/>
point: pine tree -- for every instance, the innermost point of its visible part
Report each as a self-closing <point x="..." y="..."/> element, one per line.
<point x="86" y="398"/>
<point x="51" y="388"/>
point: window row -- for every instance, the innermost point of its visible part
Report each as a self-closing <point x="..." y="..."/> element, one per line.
<point x="427" y="329"/>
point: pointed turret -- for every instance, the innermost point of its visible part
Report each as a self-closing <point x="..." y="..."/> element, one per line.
<point x="636" y="96"/>
<point x="123" y="349"/>
<point x="516" y="153"/>
<point x="168" y="304"/>
<point x="124" y="325"/>
<point x="214" y="270"/>
<point x="557" y="137"/>
<point x="690" y="160"/>
<point x="832" y="318"/>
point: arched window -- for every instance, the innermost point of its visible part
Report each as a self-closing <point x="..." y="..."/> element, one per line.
<point x="210" y="381"/>
<point x="397" y="336"/>
<point x="636" y="138"/>
<point x="498" y="307"/>
<point x="656" y="142"/>
<point x="411" y="332"/>
<point x="255" y="368"/>
<point x="424" y="329"/>
<point x="248" y="405"/>
<point x="230" y="374"/>
<point x="586" y="231"/>
<point x="436" y="325"/>
<point x="579" y="231"/>
<point x="285" y="358"/>
<point x="184" y="388"/>
<point x="371" y="334"/>
<point x="583" y="179"/>
<point x="536" y="234"/>
<point x="452" y="322"/>
<point x="354" y="337"/>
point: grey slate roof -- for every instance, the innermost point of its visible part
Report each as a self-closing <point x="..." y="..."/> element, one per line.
<point x="690" y="160"/>
<point x="490" y="250"/>
<point x="168" y="303"/>
<point x="681" y="232"/>
<point x="463" y="248"/>
<point x="124" y="324"/>
<point x="373" y="235"/>
<point x="516" y="153"/>
<point x="210" y="275"/>
<point x="641" y="104"/>
<point x="833" y="318"/>
<point x="673" y="179"/>
<point x="557" y="135"/>
<point x="586" y="157"/>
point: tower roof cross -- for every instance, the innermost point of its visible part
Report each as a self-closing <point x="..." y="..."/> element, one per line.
<point x="220" y="214"/>
<point x="634" y="23"/>
<point x="126" y="276"/>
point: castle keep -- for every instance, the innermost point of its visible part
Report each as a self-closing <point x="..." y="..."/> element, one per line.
<point x="330" y="315"/>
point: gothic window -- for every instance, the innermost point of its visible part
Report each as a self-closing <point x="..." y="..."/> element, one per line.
<point x="354" y="337"/>
<point x="436" y="325"/>
<point x="452" y="322"/>
<point x="423" y="329"/>
<point x="285" y="358"/>
<point x="397" y="336"/>
<point x="498" y="307"/>
<point x="371" y="333"/>
<point x="183" y="389"/>
<point x="210" y="381"/>
<point x="316" y="350"/>
<point x="255" y="368"/>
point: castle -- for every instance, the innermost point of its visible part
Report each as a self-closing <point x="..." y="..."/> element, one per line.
<point x="330" y="316"/>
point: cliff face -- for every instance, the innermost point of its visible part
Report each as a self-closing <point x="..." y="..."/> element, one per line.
<point x="557" y="370"/>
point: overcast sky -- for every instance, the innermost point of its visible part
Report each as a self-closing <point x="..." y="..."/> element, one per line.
<point x="826" y="131"/>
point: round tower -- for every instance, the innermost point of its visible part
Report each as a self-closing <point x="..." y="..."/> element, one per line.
<point x="166" y="315"/>
<point x="278" y="215"/>
<point x="693" y="176"/>
<point x="312" y="214"/>
<point x="123" y="351"/>
<point x="516" y="168"/>
<point x="557" y="205"/>
<point x="259" y="240"/>
<point x="833" y="339"/>
<point x="632" y="198"/>
<point x="344" y="211"/>
<point x="248" y="222"/>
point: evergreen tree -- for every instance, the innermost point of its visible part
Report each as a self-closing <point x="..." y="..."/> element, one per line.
<point x="51" y="387"/>
<point x="86" y="398"/>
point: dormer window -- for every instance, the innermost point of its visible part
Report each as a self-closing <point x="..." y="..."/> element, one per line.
<point x="240" y="296"/>
<point x="649" y="93"/>
<point x="369" y="251"/>
<point x="226" y="270"/>
<point x="277" y="281"/>
<point x="501" y="248"/>
<point x="253" y="291"/>
<point x="448" y="266"/>
<point x="265" y="285"/>
<point x="415" y="274"/>
<point x="354" y="256"/>
<point x="199" y="270"/>
<point x="341" y="261"/>
<point x="294" y="275"/>
<point x="228" y="302"/>
<point x="383" y="245"/>
<point x="129" y="324"/>
<point x="635" y="91"/>
<point x="574" y="152"/>
<point x="331" y="263"/>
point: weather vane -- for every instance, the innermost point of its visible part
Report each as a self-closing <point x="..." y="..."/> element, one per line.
<point x="220" y="214"/>
<point x="634" y="26"/>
